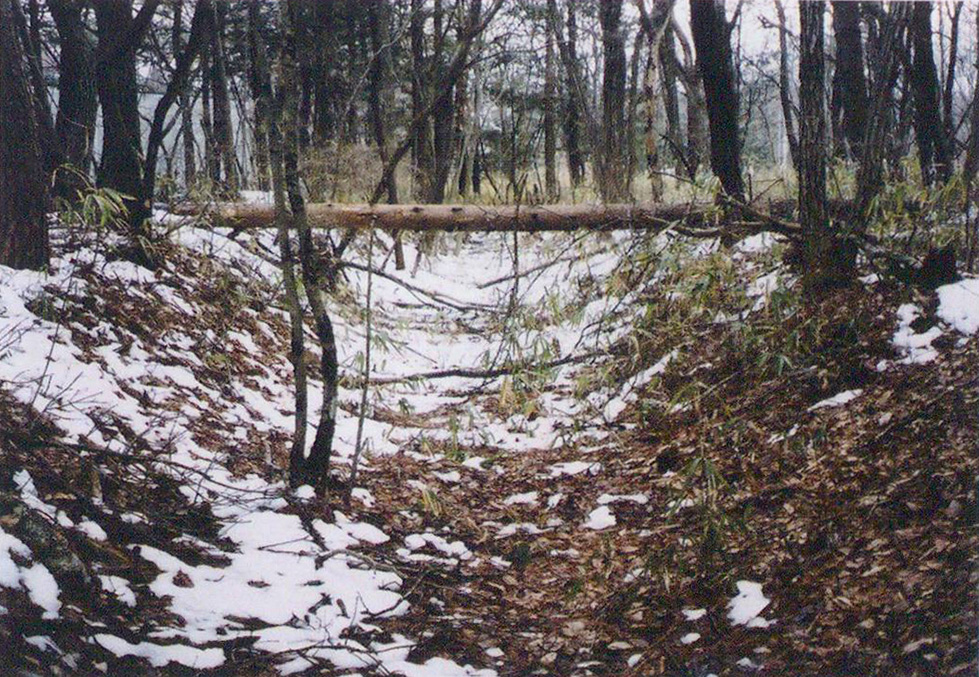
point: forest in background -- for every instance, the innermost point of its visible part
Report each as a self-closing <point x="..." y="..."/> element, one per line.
<point x="488" y="337"/>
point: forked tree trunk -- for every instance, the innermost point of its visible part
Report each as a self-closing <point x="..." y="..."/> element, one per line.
<point x="654" y="25"/>
<point x="712" y="40"/>
<point x="316" y="465"/>
<point x="23" y="229"/>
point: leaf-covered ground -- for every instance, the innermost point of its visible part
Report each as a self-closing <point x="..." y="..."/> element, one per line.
<point x="635" y="456"/>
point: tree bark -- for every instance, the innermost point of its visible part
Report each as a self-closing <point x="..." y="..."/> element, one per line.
<point x="121" y="166"/>
<point x="613" y="170"/>
<point x="316" y="467"/>
<point x="849" y="75"/>
<point x="23" y="198"/>
<point x="223" y="136"/>
<point x="421" y="152"/>
<point x="574" y="103"/>
<point x="259" y="80"/>
<point x="784" y="87"/>
<point x="480" y="218"/>
<point x="185" y="106"/>
<point x="712" y="40"/>
<point x="972" y="150"/>
<point x="933" y="146"/>
<point x="77" y="98"/>
<point x="553" y="191"/>
<point x="870" y="171"/>
<point x="284" y="224"/>
<point x="948" y="97"/>
<point x="825" y="266"/>
<point x="654" y="25"/>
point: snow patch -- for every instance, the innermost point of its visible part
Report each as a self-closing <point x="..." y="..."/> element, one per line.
<point x="747" y="604"/>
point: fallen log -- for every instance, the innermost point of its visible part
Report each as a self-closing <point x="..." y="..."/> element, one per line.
<point x="478" y="218"/>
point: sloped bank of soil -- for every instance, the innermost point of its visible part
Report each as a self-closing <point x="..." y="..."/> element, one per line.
<point x="855" y="514"/>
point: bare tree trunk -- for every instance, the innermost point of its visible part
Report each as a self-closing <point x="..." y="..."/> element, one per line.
<point x="574" y="99"/>
<point x="259" y="81"/>
<point x="669" y="72"/>
<point x="223" y="136"/>
<point x="23" y="194"/>
<point x="421" y="153"/>
<point x="849" y="74"/>
<point x="933" y="146"/>
<point x="283" y="222"/>
<point x="550" y="129"/>
<point x="77" y="99"/>
<point x="784" y="87"/>
<point x="443" y="113"/>
<point x="825" y="265"/>
<point x="697" y="133"/>
<point x="379" y="16"/>
<point x="870" y="171"/>
<point x="948" y="97"/>
<point x="186" y="110"/>
<point x="316" y="468"/>
<point x="654" y="25"/>
<point x="972" y="150"/>
<point x="712" y="40"/>
<point x="201" y="24"/>
<point x="613" y="170"/>
<point x="121" y="166"/>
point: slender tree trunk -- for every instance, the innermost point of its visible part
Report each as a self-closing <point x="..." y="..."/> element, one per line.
<point x="972" y="150"/>
<point x="671" y="98"/>
<point x="613" y="181"/>
<point x="316" y="468"/>
<point x="654" y="26"/>
<point x="77" y="99"/>
<point x="283" y="221"/>
<point x="948" y="98"/>
<point x="223" y="135"/>
<point x="201" y="25"/>
<point x="823" y="263"/>
<point x="443" y="114"/>
<point x="574" y="100"/>
<point x="933" y="146"/>
<point x="698" y="142"/>
<point x="421" y="152"/>
<point x="550" y="119"/>
<point x="712" y="40"/>
<point x="379" y="16"/>
<point x="324" y="114"/>
<point x="185" y="106"/>
<point x="259" y="79"/>
<point x="23" y="198"/>
<point x="870" y="171"/>
<point x="784" y="87"/>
